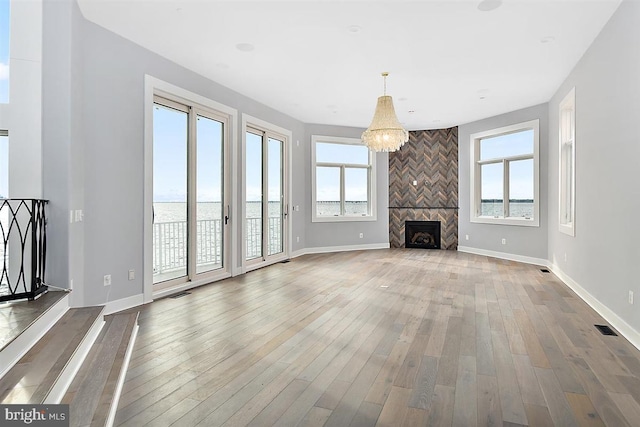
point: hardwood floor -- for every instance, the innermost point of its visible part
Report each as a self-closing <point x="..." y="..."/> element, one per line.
<point x="17" y="316"/>
<point x="386" y="337"/>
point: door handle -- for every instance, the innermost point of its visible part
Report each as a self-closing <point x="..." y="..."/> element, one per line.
<point x="286" y="211"/>
<point x="226" y="217"/>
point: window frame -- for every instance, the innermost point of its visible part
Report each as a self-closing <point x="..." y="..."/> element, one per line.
<point x="476" y="177"/>
<point x="567" y="225"/>
<point x="371" y="187"/>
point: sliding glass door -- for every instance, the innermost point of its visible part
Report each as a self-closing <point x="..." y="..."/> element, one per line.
<point x="190" y="211"/>
<point x="266" y="209"/>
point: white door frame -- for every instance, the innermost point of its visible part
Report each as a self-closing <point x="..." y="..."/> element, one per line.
<point x="250" y="122"/>
<point x="154" y="86"/>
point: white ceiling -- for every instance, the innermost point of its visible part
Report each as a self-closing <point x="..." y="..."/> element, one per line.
<point x="320" y="61"/>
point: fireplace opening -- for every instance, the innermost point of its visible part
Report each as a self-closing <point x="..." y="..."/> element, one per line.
<point x="422" y="234"/>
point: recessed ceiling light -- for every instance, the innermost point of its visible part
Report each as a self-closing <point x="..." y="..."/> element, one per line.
<point x="354" y="28"/>
<point x="412" y="111"/>
<point x="489" y="5"/>
<point x="245" y="47"/>
<point x="482" y="97"/>
<point x="548" y="39"/>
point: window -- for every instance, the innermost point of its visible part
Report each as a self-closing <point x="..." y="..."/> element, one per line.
<point x="343" y="180"/>
<point x="504" y="178"/>
<point x="567" y="154"/>
<point x="4" y="51"/>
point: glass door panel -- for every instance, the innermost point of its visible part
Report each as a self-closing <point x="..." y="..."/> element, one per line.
<point x="254" y="206"/>
<point x="209" y="194"/>
<point x="275" y="196"/>
<point x="170" y="135"/>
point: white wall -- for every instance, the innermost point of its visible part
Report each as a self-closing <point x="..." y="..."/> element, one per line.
<point x="603" y="259"/>
<point x="527" y="244"/>
<point x="23" y="115"/>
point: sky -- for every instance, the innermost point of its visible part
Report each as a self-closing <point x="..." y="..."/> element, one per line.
<point x="4" y="51"/>
<point x="520" y="172"/>
<point x="170" y="164"/>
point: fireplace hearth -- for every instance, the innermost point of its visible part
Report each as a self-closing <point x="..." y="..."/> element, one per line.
<point x="422" y="234"/>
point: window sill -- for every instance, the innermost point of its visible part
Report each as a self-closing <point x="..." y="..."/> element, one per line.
<point x="520" y="222"/>
<point x="344" y="218"/>
<point x="567" y="229"/>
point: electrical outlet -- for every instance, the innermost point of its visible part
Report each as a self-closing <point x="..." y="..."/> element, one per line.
<point x="504" y="241"/>
<point x="630" y="297"/>
<point x="466" y="237"/>
<point x="361" y="235"/>
<point x="107" y="280"/>
<point x="132" y="274"/>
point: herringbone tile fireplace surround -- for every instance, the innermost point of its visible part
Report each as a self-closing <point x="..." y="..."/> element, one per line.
<point x="430" y="158"/>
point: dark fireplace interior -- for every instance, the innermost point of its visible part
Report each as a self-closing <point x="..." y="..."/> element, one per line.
<point x="422" y="234"/>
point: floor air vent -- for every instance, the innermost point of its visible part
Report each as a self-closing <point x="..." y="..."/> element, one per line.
<point x="180" y="295"/>
<point x="544" y="270"/>
<point x="605" y="330"/>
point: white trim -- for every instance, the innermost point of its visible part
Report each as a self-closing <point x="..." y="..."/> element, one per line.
<point x="475" y="177"/>
<point x="123" y="304"/>
<point x="188" y="285"/>
<point x="504" y="255"/>
<point x="609" y="315"/>
<point x="123" y="373"/>
<point x="270" y="130"/>
<point x="64" y="380"/>
<point x="345" y="248"/>
<point x="154" y="86"/>
<point x="17" y="348"/>
<point x="568" y="103"/>
<point x="372" y="188"/>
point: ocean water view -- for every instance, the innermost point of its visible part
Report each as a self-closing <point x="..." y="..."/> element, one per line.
<point x="177" y="211"/>
<point x="517" y="208"/>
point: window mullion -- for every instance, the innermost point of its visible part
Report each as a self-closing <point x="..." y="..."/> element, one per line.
<point x="505" y="195"/>
<point x="342" y="190"/>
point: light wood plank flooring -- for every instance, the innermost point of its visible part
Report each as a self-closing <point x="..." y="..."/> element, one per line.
<point x="386" y="337"/>
<point x="17" y="316"/>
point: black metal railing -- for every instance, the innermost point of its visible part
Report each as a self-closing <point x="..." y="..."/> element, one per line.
<point x="23" y="223"/>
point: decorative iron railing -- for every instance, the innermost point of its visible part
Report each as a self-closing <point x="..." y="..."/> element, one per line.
<point x="170" y="242"/>
<point x="23" y="223"/>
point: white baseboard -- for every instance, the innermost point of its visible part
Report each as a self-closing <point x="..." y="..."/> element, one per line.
<point x="123" y="304"/>
<point x="14" y="351"/>
<point x="612" y="318"/>
<point x="64" y="380"/>
<point x="504" y="255"/>
<point x="346" y="248"/>
<point x="123" y="373"/>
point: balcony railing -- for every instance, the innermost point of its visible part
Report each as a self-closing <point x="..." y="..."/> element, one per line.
<point x="170" y="242"/>
<point x="23" y="224"/>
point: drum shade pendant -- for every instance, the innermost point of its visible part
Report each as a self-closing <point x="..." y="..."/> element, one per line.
<point x="385" y="132"/>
